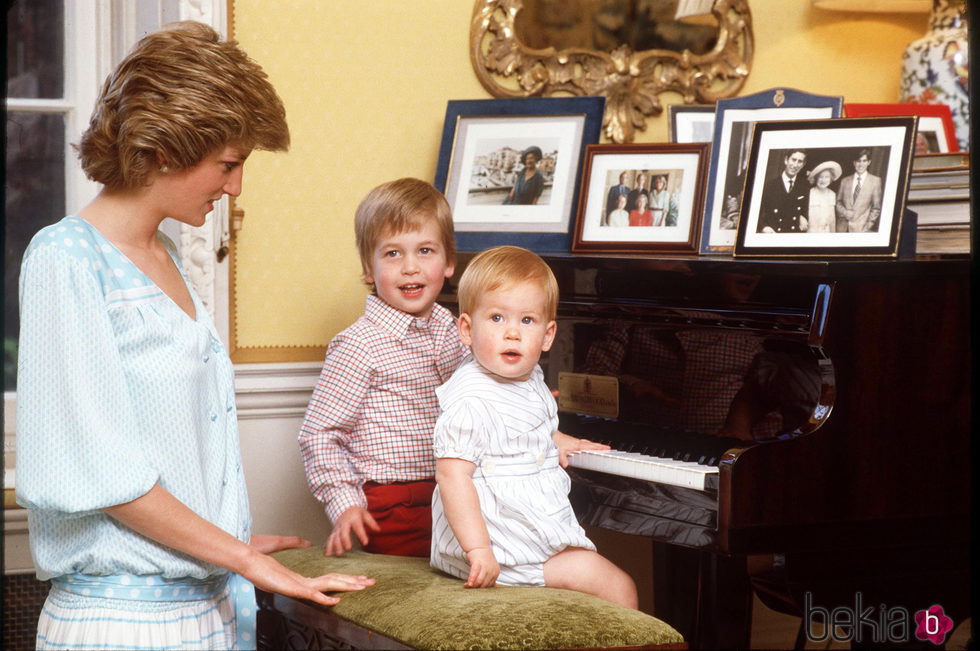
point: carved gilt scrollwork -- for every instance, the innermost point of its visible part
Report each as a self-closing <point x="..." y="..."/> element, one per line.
<point x="632" y="81"/>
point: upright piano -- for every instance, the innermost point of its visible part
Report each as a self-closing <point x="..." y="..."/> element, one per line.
<point x="798" y="430"/>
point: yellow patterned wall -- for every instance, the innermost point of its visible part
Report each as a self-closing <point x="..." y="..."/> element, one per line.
<point x="365" y="85"/>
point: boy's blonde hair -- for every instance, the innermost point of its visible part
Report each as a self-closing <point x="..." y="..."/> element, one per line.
<point x="505" y="266"/>
<point x="398" y="206"/>
<point x="181" y="94"/>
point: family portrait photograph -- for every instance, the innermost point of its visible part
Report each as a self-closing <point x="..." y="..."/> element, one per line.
<point x="828" y="188"/>
<point x="637" y="198"/>
<point x="823" y="190"/>
<point x="640" y="197"/>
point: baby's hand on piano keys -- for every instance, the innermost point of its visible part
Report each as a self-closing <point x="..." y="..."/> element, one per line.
<point x="484" y="568"/>
<point x="568" y="445"/>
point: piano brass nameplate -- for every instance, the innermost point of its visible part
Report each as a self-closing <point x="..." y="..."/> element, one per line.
<point x="595" y="395"/>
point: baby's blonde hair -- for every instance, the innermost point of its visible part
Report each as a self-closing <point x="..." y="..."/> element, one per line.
<point x="504" y="266"/>
<point x="398" y="206"/>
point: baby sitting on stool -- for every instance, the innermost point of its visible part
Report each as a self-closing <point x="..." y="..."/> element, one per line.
<point x="500" y="511"/>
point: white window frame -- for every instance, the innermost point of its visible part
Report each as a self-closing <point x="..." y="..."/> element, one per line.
<point x="88" y="57"/>
<point x="86" y="41"/>
<point x="98" y="33"/>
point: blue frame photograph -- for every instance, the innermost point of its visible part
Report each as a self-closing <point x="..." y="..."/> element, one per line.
<point x="511" y="169"/>
<point x="731" y="148"/>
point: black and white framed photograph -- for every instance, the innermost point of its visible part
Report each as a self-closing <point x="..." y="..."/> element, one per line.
<point x="826" y="188"/>
<point x="510" y="168"/>
<point x="730" y="153"/>
<point x="641" y="198"/>
<point x="690" y="122"/>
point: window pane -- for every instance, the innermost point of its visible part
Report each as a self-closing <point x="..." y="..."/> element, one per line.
<point x="35" y="197"/>
<point x="35" y="49"/>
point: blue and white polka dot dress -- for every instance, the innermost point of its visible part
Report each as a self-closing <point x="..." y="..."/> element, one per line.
<point x="118" y="389"/>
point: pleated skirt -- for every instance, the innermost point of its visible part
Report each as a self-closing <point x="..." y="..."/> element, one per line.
<point x="73" y="621"/>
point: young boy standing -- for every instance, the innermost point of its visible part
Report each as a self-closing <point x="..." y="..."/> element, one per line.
<point x="366" y="439"/>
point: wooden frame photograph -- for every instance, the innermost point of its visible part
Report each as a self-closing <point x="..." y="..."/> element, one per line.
<point x="730" y="153"/>
<point x="641" y="198"/>
<point x="935" y="134"/>
<point x="826" y="188"/>
<point x="510" y="169"/>
<point x="690" y="122"/>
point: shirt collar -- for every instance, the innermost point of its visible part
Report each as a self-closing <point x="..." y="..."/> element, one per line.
<point x="400" y="323"/>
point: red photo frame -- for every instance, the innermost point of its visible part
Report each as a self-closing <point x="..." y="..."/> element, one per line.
<point x="935" y="130"/>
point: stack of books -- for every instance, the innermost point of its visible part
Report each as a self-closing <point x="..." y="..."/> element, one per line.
<point x="939" y="192"/>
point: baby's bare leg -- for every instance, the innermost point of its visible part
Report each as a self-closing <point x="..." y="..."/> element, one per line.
<point x="586" y="571"/>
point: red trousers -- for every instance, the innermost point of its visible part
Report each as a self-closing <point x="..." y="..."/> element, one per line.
<point x="403" y="510"/>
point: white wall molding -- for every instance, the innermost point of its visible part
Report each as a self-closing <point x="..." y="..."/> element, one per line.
<point x="274" y="390"/>
<point x="272" y="401"/>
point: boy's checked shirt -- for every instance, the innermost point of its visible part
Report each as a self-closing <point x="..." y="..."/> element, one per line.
<point x="374" y="407"/>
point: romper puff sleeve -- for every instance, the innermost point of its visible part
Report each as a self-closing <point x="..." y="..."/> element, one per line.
<point x="463" y="430"/>
<point x="77" y="430"/>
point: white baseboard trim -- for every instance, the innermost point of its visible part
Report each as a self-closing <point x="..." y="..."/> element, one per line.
<point x="280" y="390"/>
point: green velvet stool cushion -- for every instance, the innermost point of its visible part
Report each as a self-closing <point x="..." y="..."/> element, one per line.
<point x="426" y="609"/>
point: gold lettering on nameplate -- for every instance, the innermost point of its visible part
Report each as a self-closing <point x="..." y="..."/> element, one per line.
<point x="594" y="395"/>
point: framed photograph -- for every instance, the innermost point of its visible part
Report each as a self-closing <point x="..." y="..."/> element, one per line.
<point x="730" y="153"/>
<point x="641" y="198"/>
<point x="510" y="168"/>
<point x="936" y="133"/>
<point x="691" y="122"/>
<point x="826" y="188"/>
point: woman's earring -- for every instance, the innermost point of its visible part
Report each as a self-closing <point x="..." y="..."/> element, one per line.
<point x="164" y="169"/>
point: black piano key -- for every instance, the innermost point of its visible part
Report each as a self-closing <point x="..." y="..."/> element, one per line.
<point x="651" y="440"/>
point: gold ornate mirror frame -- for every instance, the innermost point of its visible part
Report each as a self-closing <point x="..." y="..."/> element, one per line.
<point x="632" y="81"/>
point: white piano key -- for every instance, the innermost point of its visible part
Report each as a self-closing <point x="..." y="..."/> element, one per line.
<point x="641" y="466"/>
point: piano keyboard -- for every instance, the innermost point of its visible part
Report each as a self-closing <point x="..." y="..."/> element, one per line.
<point x="645" y="467"/>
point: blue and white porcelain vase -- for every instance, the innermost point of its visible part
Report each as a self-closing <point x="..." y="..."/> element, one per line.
<point x="936" y="67"/>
